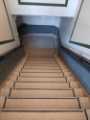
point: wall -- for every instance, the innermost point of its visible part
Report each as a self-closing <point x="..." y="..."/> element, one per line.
<point x="66" y="29"/>
<point x="82" y="28"/>
<point x="82" y="71"/>
<point x="39" y="31"/>
<point x="39" y="36"/>
<point x="39" y="20"/>
<point x="9" y="62"/>
<point x="5" y="31"/>
<point x="78" y="65"/>
<point x="8" y="38"/>
<point x="21" y="9"/>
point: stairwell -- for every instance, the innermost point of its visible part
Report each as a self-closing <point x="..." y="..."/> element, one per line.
<point x="43" y="87"/>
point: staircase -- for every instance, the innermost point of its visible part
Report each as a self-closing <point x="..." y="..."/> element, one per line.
<point x="43" y="88"/>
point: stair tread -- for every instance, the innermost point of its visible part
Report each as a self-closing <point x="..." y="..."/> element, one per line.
<point x="85" y="103"/>
<point x="80" y="92"/>
<point x="41" y="71"/>
<point x="42" y="85"/>
<point x="42" y="79"/>
<point x="42" y="92"/>
<point x="24" y="93"/>
<point x="42" y="74"/>
<point x="41" y="67"/>
<point x="40" y="62"/>
<point x="45" y="104"/>
<point x="88" y="113"/>
<point x="42" y="115"/>
<point x="2" y="99"/>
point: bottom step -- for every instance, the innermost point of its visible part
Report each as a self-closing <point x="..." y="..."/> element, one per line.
<point x="42" y="104"/>
<point x="42" y="116"/>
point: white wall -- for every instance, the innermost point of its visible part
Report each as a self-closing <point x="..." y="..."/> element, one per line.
<point x="42" y="20"/>
<point x="39" y="20"/>
<point x="66" y="30"/>
<point x="40" y="40"/>
<point x="82" y="29"/>
<point x="6" y="31"/>
<point x="69" y="11"/>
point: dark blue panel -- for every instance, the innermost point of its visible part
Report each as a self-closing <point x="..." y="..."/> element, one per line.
<point x="82" y="70"/>
<point x="25" y="29"/>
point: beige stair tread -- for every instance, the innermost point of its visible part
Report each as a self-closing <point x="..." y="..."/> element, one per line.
<point x="24" y="93"/>
<point x="71" y="78"/>
<point x="42" y="85"/>
<point x="41" y="71"/>
<point x="49" y="65"/>
<point x="42" y="67"/>
<point x="40" y="62"/>
<point x="44" y="59"/>
<point x="80" y="92"/>
<point x="42" y="79"/>
<point x="42" y="74"/>
<point x="74" y="84"/>
<point x="2" y="99"/>
<point x="85" y="102"/>
<point x="42" y="116"/>
<point x="68" y="73"/>
<point x="42" y="104"/>
<point x="88" y="113"/>
<point x="4" y="91"/>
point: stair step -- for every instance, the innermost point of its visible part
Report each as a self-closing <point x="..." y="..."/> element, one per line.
<point x="21" y="79"/>
<point x="80" y="115"/>
<point x="41" y="71"/>
<point x="42" y="85"/>
<point x="40" y="59"/>
<point x="2" y="99"/>
<point x="4" y="91"/>
<point x="41" y="64"/>
<point x="74" y="84"/>
<point x="79" y="92"/>
<point x="85" y="102"/>
<point x="88" y="114"/>
<point x="42" y="75"/>
<point x="42" y="104"/>
<point x="26" y="93"/>
<point x="42" y="67"/>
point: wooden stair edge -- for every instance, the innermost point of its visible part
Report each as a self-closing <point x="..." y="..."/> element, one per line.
<point x="80" y="115"/>
<point x="2" y="100"/>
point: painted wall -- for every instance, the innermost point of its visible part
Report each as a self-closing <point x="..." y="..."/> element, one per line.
<point x="42" y="20"/>
<point x="66" y="28"/>
<point x="39" y="20"/>
<point x="6" y="31"/>
<point x="82" y="30"/>
<point x="42" y="23"/>
<point x="17" y="9"/>
<point x="78" y="68"/>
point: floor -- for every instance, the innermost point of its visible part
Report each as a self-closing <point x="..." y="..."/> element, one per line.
<point x="43" y="88"/>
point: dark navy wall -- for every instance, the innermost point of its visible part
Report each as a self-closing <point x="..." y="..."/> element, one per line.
<point x="78" y="66"/>
<point x="9" y="62"/>
<point x="25" y="29"/>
